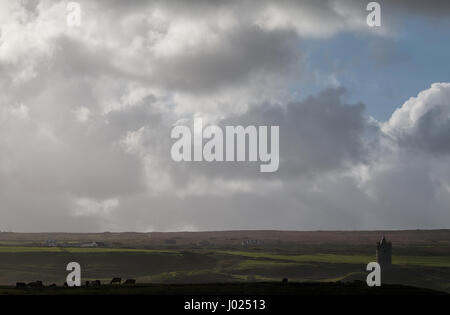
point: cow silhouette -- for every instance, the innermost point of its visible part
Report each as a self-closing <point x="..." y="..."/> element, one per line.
<point x="130" y="281"/>
<point x="96" y="283"/>
<point x="116" y="280"/>
<point x="36" y="284"/>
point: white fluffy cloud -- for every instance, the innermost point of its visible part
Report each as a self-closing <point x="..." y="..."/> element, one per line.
<point x="423" y="121"/>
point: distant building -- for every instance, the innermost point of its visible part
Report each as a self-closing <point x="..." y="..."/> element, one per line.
<point x="92" y="244"/>
<point x="384" y="253"/>
<point x="51" y="243"/>
<point x="252" y="242"/>
<point x="204" y="243"/>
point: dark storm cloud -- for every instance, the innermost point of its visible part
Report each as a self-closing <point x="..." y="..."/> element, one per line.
<point x="317" y="135"/>
<point x="436" y="8"/>
<point x="329" y="128"/>
<point x="239" y="56"/>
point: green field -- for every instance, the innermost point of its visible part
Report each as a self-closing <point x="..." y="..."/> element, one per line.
<point x="429" y="261"/>
<point x="426" y="266"/>
<point x="420" y="258"/>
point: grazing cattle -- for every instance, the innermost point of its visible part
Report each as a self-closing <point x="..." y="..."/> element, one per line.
<point x="130" y="281"/>
<point x="116" y="280"/>
<point x="285" y="280"/>
<point x="53" y="285"/>
<point x="36" y="284"/>
<point x="21" y="285"/>
<point x="96" y="283"/>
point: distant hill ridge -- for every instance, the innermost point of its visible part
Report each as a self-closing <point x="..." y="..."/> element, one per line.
<point x="406" y="237"/>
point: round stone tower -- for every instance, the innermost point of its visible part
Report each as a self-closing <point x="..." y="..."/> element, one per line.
<point x="384" y="253"/>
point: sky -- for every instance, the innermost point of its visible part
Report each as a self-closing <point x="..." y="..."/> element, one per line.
<point x="86" y="114"/>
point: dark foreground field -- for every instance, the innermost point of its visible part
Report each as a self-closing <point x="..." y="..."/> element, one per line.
<point x="231" y="289"/>
<point x="420" y="259"/>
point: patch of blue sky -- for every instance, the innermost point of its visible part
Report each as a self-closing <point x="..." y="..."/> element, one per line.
<point x="380" y="71"/>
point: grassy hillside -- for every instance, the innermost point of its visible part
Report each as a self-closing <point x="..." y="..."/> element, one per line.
<point x="418" y="263"/>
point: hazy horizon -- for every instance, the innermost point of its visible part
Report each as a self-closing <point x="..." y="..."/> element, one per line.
<point x="219" y="231"/>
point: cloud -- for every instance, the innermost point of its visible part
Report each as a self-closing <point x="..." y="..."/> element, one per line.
<point x="408" y="175"/>
<point x="330" y="129"/>
<point x="86" y="114"/>
<point x="423" y="122"/>
<point x="433" y="8"/>
<point x="318" y="135"/>
<point x="89" y="207"/>
<point x="339" y="170"/>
